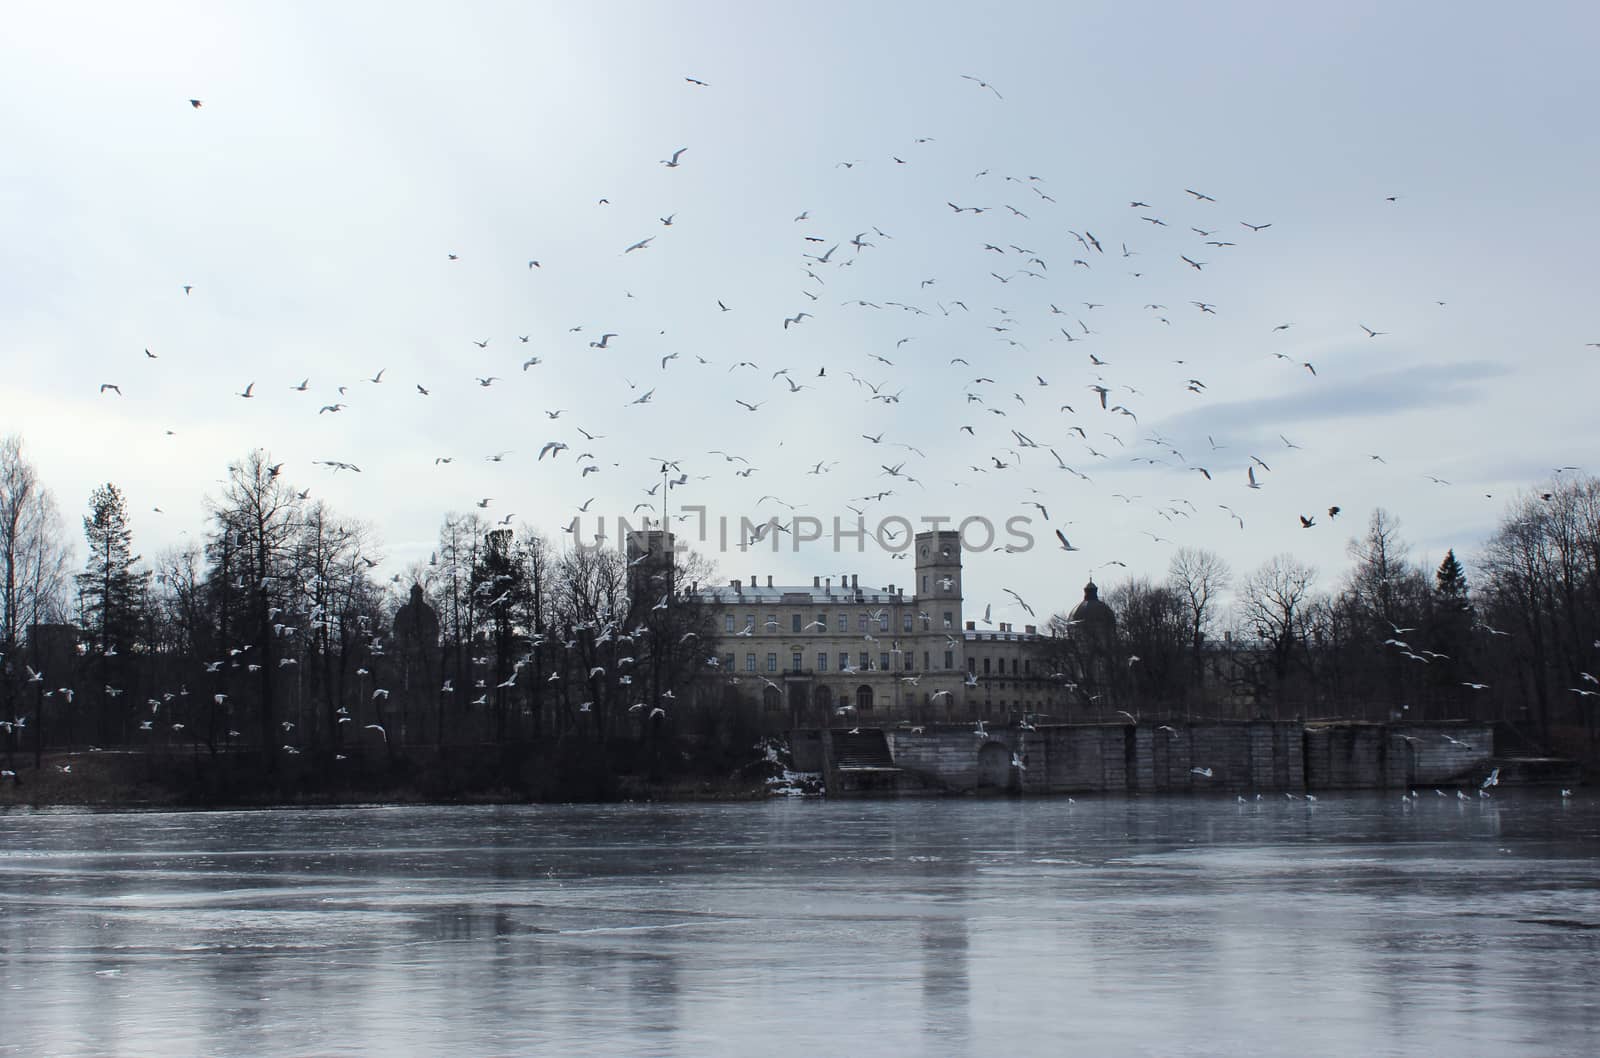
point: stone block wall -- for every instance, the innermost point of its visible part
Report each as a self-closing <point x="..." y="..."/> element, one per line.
<point x="1135" y="758"/>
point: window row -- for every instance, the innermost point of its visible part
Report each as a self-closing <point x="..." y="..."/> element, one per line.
<point x="799" y="624"/>
<point x="864" y="661"/>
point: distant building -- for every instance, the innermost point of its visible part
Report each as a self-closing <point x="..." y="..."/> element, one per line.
<point x="832" y="650"/>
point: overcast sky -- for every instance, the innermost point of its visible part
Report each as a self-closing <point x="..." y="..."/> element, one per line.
<point x="343" y="152"/>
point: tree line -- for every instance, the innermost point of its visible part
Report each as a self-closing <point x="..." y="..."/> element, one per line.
<point x="272" y="633"/>
<point x="1391" y="639"/>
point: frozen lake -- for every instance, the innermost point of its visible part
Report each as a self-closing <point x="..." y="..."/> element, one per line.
<point x="1353" y="926"/>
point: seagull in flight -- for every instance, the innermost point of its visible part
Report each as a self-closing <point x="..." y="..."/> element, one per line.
<point x="983" y="84"/>
<point x="673" y="162"/>
<point x="1372" y="333"/>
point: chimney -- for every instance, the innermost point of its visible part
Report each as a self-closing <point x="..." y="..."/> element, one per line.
<point x="1031" y="629"/>
<point x="736" y="586"/>
<point x="971" y="625"/>
<point x="769" y="580"/>
<point x="828" y="585"/>
<point x="855" y="582"/>
<point x="891" y="589"/>
<point x="755" y="582"/>
<point x="816" y="582"/>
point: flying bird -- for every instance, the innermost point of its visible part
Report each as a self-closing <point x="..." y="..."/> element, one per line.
<point x="983" y="84"/>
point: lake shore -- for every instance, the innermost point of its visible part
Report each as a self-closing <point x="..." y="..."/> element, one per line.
<point x="522" y="775"/>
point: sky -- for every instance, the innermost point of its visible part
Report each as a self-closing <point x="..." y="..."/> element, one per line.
<point x="365" y="185"/>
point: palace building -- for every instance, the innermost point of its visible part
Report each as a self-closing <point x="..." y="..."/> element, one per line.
<point x="834" y="649"/>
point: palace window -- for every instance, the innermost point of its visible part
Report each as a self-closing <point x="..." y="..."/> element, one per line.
<point x="772" y="663"/>
<point x="797" y="661"/>
<point x="796" y="623"/>
<point x="822" y="661"/>
<point x="749" y="663"/>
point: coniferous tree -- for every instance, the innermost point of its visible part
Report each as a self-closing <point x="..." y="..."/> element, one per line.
<point x="111" y="595"/>
<point x="1450" y="580"/>
<point x="1449" y="627"/>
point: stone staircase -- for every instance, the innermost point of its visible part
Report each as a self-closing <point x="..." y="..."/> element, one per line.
<point x="859" y="764"/>
<point x="865" y="750"/>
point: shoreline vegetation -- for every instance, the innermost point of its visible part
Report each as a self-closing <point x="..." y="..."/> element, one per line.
<point x="510" y="774"/>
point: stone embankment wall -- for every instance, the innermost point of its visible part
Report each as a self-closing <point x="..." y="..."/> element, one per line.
<point x="1222" y="756"/>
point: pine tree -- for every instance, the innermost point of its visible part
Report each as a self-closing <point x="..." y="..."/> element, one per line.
<point x="1450" y="580"/>
<point x="111" y="592"/>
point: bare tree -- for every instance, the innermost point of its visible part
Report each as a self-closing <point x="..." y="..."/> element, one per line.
<point x="1199" y="577"/>
<point x="34" y="560"/>
<point x="1153" y="629"/>
<point x="1272" y="604"/>
<point x="261" y="515"/>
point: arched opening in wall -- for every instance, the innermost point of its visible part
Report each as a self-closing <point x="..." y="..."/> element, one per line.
<point x="994" y="767"/>
<point x="771" y="698"/>
<point x="821" y="702"/>
<point x="863" y="699"/>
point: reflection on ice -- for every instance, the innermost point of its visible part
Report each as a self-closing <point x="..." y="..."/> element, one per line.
<point x="1353" y="925"/>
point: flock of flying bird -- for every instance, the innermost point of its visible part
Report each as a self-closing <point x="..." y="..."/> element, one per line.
<point x="1042" y="395"/>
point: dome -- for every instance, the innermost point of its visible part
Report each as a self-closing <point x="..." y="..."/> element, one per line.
<point x="1091" y="616"/>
